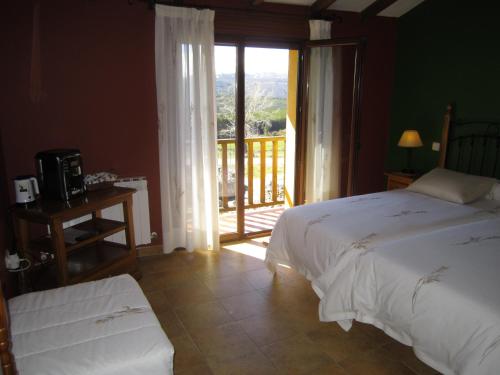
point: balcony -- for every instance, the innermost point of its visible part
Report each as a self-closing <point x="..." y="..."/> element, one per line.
<point x="264" y="182"/>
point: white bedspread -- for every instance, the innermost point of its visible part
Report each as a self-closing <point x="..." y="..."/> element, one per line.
<point x="99" y="328"/>
<point x="323" y="238"/>
<point x="438" y="292"/>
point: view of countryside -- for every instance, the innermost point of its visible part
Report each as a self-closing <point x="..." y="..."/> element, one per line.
<point x="266" y="89"/>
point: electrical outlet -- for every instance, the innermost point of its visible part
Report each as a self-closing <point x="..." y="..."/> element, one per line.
<point x="436" y="146"/>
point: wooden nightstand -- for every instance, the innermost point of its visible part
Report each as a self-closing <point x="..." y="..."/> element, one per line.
<point x="399" y="180"/>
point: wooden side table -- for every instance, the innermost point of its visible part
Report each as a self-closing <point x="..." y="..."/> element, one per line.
<point x="399" y="180"/>
<point x="81" y="252"/>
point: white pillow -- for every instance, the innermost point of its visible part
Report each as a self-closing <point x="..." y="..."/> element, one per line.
<point x="452" y="186"/>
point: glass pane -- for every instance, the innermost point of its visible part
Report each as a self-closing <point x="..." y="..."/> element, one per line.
<point x="225" y="88"/>
<point x="266" y="98"/>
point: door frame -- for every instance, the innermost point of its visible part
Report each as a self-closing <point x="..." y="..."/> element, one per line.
<point x="241" y="44"/>
<point x="355" y="125"/>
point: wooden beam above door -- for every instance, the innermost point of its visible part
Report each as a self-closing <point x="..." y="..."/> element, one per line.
<point x="321" y="5"/>
<point x="376" y="7"/>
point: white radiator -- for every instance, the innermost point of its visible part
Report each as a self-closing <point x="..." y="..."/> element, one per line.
<point x="140" y="212"/>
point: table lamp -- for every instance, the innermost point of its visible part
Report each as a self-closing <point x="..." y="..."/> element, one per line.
<point x="410" y="139"/>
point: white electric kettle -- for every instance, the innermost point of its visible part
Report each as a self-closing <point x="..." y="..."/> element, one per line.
<point x="26" y="189"/>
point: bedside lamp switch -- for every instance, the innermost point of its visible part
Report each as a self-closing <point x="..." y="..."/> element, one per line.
<point x="436" y="146"/>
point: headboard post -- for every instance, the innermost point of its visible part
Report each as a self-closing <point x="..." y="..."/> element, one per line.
<point x="444" y="136"/>
<point x="6" y="357"/>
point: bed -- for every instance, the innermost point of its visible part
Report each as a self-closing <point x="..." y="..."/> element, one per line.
<point x="316" y="238"/>
<point x="345" y="245"/>
<point x="99" y="327"/>
<point x="436" y="291"/>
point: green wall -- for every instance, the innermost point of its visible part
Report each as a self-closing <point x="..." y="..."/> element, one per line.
<point x="448" y="51"/>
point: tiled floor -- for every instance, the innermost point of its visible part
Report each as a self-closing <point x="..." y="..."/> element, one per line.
<point x="226" y="314"/>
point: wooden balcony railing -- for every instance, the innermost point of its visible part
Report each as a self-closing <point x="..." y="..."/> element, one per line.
<point x="271" y="162"/>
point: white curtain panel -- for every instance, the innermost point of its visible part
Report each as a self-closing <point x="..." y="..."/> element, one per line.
<point x="321" y="179"/>
<point x="185" y="89"/>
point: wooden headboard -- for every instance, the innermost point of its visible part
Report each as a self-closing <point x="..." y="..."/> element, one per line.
<point x="470" y="146"/>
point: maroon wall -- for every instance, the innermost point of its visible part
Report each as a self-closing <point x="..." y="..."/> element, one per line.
<point x="98" y="87"/>
<point x="97" y="75"/>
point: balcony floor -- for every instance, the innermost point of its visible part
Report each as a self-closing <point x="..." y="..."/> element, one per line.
<point x="256" y="219"/>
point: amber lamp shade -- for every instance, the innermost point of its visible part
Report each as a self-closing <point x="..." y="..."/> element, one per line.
<point x="410" y="139"/>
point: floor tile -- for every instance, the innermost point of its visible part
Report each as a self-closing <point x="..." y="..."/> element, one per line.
<point x="375" y="362"/>
<point x="261" y="278"/>
<point x="297" y="355"/>
<point x="329" y="369"/>
<point x="215" y="268"/>
<point x="340" y="344"/>
<point x="246" y="263"/>
<point x="288" y="295"/>
<point x="188" y="293"/>
<point x="302" y="317"/>
<point x="248" y="363"/>
<point x="224" y="342"/>
<point x="161" y="263"/>
<point x="228" y="286"/>
<point x="230" y="351"/>
<point x="164" y="280"/>
<point x="195" y="370"/>
<point x="264" y="330"/>
<point x="246" y="304"/>
<point x="374" y="332"/>
<point x="171" y="324"/>
<point x="405" y="354"/>
<point x="201" y="316"/>
<point x="158" y="300"/>
<point x="197" y="260"/>
<point x="187" y="357"/>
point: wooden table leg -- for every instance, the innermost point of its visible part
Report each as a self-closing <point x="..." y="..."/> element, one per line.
<point x="56" y="233"/>
<point x="129" y="224"/>
<point x="130" y="235"/>
<point x="97" y="214"/>
<point x="21" y="233"/>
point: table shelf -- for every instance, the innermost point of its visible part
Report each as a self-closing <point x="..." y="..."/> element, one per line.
<point x="101" y="228"/>
<point x="87" y="260"/>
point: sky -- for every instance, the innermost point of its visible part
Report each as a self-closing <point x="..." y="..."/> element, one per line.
<point x="257" y="60"/>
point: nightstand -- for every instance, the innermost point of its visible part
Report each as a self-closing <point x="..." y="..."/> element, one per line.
<point x="399" y="180"/>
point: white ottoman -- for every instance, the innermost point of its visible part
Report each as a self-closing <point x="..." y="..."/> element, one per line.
<point x="99" y="327"/>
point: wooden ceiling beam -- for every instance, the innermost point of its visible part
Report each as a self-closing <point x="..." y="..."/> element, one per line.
<point x="257" y="2"/>
<point x="376" y="7"/>
<point x="321" y="5"/>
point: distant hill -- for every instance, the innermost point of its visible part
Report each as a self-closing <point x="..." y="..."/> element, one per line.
<point x="267" y="84"/>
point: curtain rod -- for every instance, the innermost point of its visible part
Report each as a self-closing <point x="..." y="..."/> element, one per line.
<point x="332" y="17"/>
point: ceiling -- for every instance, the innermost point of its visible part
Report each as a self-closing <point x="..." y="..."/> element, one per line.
<point x="396" y="9"/>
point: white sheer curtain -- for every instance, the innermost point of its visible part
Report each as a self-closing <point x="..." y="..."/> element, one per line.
<point x="322" y="159"/>
<point x="185" y="89"/>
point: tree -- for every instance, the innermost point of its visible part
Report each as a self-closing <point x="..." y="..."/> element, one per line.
<point x="264" y="114"/>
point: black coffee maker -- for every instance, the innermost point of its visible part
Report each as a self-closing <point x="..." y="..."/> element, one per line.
<point x="60" y="174"/>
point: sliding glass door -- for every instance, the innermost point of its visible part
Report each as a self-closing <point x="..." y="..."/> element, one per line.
<point x="256" y="122"/>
